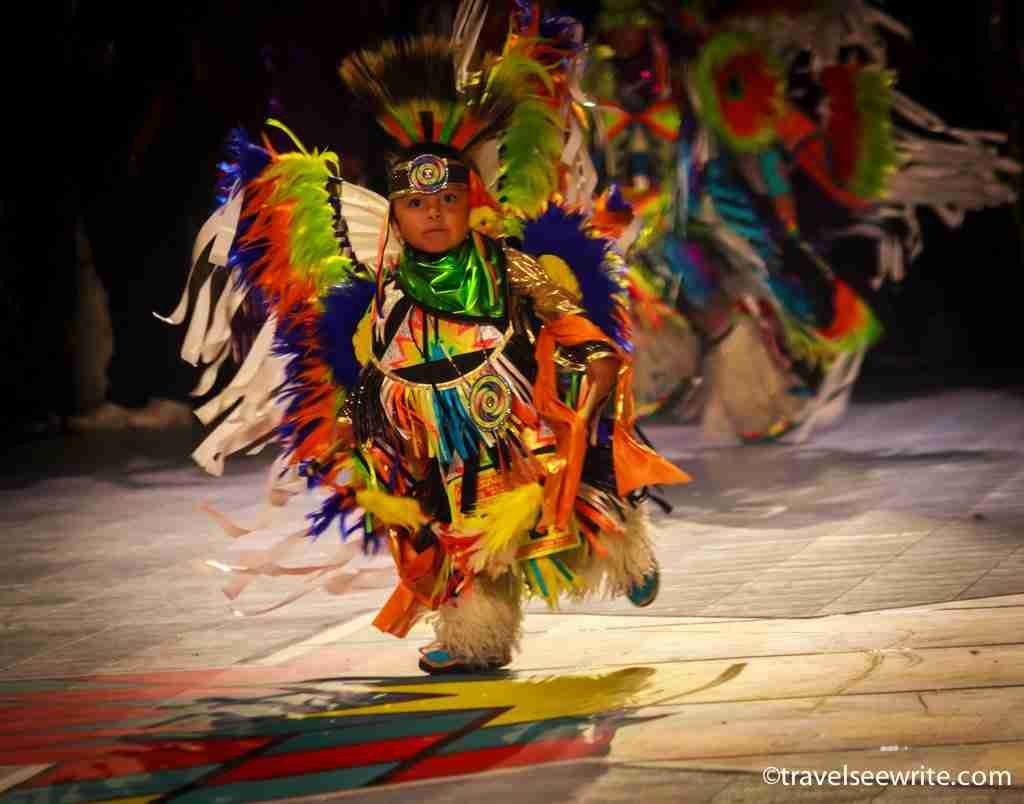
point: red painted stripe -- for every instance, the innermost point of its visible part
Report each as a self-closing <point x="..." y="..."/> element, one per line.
<point x="43" y="756"/>
<point x="238" y="679"/>
<point x="72" y="745"/>
<point x="90" y="695"/>
<point x="145" y="686"/>
<point x="325" y="759"/>
<point x="506" y="756"/>
<point x="12" y="748"/>
<point x="50" y="738"/>
<point x="43" y="717"/>
<point x="124" y="760"/>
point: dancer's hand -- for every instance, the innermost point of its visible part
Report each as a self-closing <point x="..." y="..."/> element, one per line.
<point x="601" y="374"/>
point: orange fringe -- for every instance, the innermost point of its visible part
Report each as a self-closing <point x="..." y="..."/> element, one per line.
<point x="294" y="301"/>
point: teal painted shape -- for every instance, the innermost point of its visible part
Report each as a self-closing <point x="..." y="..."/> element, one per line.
<point x="518" y="733"/>
<point x="140" y="784"/>
<point x="406" y="725"/>
<point x="305" y="784"/>
<point x="31" y="685"/>
<point x="272" y="726"/>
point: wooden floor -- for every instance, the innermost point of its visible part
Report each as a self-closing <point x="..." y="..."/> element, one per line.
<point x="938" y="687"/>
<point x="854" y="603"/>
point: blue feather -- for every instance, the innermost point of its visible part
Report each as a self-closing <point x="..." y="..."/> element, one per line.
<point x="293" y="341"/>
<point x="332" y="508"/>
<point x="562" y="30"/>
<point x="561" y="233"/>
<point x="616" y="201"/>
<point x="243" y="162"/>
<point x="344" y="307"/>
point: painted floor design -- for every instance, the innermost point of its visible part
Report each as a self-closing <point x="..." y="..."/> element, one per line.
<point x="250" y="735"/>
<point x="857" y="602"/>
<point x="690" y="706"/>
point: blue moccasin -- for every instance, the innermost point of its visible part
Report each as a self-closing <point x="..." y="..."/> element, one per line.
<point x="644" y="593"/>
<point x="436" y="660"/>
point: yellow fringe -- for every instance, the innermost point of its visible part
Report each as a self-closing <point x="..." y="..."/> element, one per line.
<point x="552" y="583"/>
<point x="442" y="578"/>
<point x="391" y="510"/>
<point x="504" y="520"/>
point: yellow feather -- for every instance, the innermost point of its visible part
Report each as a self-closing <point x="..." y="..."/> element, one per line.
<point x="504" y="521"/>
<point x="362" y="341"/>
<point x="391" y="510"/>
<point x="486" y="221"/>
<point x="561" y="274"/>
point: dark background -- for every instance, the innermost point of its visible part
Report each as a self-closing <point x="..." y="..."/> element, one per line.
<point x="953" y="321"/>
<point x="116" y="115"/>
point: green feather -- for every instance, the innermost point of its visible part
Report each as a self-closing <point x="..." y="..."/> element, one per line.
<point x="530" y="150"/>
<point x="514" y="72"/>
<point x="878" y="156"/>
<point x="301" y="180"/>
<point x="718" y="51"/>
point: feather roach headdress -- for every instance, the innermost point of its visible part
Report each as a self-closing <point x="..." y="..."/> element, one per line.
<point x="423" y="96"/>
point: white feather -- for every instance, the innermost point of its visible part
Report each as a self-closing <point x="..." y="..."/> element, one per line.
<point x="365" y="214"/>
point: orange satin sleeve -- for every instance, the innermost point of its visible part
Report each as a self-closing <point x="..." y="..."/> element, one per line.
<point x="635" y="464"/>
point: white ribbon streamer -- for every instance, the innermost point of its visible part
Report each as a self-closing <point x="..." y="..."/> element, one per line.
<point x="221" y="228"/>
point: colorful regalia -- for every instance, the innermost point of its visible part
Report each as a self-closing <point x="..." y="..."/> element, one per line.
<point x="794" y="144"/>
<point x="469" y="411"/>
<point x="635" y="121"/>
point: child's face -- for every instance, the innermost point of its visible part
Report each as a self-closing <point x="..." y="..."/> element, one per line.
<point x="433" y="222"/>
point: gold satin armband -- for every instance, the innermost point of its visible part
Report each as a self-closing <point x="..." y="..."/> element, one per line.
<point x="528" y="278"/>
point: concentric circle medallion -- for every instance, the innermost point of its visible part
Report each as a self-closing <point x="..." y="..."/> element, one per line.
<point x="428" y="174"/>
<point x="490" y="402"/>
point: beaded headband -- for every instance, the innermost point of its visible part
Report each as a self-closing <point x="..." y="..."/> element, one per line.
<point x="426" y="173"/>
